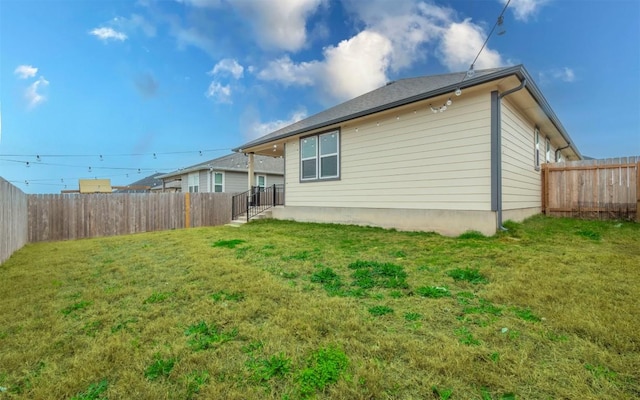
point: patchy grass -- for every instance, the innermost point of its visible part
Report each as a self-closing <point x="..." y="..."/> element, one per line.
<point x="281" y="310"/>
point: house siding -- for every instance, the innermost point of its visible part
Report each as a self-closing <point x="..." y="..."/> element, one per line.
<point x="520" y="178"/>
<point x="409" y="158"/>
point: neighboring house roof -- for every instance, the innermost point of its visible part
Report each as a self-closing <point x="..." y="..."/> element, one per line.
<point x="234" y="162"/>
<point x="152" y="181"/>
<point x="406" y="91"/>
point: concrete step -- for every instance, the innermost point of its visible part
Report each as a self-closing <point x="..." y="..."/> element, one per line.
<point x="236" y="223"/>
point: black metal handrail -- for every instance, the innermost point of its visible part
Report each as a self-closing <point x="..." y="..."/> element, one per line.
<point x="256" y="200"/>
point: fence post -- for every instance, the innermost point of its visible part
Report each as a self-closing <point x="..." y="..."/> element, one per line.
<point x="187" y="210"/>
<point x="545" y="188"/>
<point x="274" y="196"/>
<point x="638" y="192"/>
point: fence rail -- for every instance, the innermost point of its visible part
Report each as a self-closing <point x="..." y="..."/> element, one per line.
<point x="75" y="216"/>
<point x="13" y="219"/>
<point x="594" y="189"/>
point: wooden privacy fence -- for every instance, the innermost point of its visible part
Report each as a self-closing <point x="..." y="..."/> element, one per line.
<point x="76" y="216"/>
<point x="594" y="189"/>
<point x="13" y="219"/>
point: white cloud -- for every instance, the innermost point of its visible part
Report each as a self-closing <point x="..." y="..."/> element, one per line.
<point x="352" y="68"/>
<point x="219" y="93"/>
<point x="564" y="74"/>
<point x="523" y="9"/>
<point x="25" y="71"/>
<point x="460" y="45"/>
<point x="228" y="66"/>
<point x="133" y="23"/>
<point x="33" y="93"/>
<point x="278" y="24"/>
<point x="105" y="34"/>
<point x="357" y="65"/>
<point x="288" y="73"/>
<point x="258" y="128"/>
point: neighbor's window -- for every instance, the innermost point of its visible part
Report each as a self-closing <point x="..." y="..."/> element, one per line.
<point x="194" y="182"/>
<point x="548" y="143"/>
<point x="319" y="156"/>
<point x="262" y="182"/>
<point x="218" y="182"/>
<point x="536" y="150"/>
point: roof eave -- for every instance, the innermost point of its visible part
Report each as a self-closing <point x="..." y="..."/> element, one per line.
<point x="423" y="96"/>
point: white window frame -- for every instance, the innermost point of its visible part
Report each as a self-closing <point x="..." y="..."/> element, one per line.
<point x="548" y="145"/>
<point x="264" y="182"/>
<point x="193" y="182"/>
<point x="319" y="156"/>
<point x="536" y="149"/>
<point x="221" y="182"/>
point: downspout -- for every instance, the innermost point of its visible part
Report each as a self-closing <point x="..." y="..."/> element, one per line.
<point x="562" y="148"/>
<point x="496" y="150"/>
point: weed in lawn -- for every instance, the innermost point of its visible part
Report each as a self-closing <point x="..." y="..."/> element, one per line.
<point x="90" y="328"/>
<point x="275" y="366"/>
<point x="289" y="275"/>
<point x="412" y="316"/>
<point x="589" y="234"/>
<point x="466" y="337"/>
<point x="195" y="381"/>
<point x="442" y="394"/>
<point x="324" y="367"/>
<point x="326" y="276"/>
<point x="123" y="325"/>
<point x="526" y="314"/>
<point x="157" y="297"/>
<point x="472" y="235"/>
<point x="252" y="346"/>
<point x="483" y="307"/>
<point x="601" y="372"/>
<point x="467" y="274"/>
<point x="204" y="337"/>
<point x="229" y="244"/>
<point x="433" y="292"/>
<point x="380" y="310"/>
<point x="223" y="295"/>
<point x="513" y="334"/>
<point x="75" y="307"/>
<point x="159" y="368"/>
<point x="93" y="392"/>
<point x="375" y="274"/>
<point x="495" y="357"/>
<point x="465" y="297"/>
<point x="300" y="256"/>
<point x="485" y="394"/>
<point x="399" y="254"/>
<point x="396" y="294"/>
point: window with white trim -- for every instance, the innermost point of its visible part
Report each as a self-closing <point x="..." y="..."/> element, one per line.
<point x="218" y="182"/>
<point x="320" y="156"/>
<point x="193" y="182"/>
<point x="536" y="149"/>
<point x="548" y="157"/>
<point x="261" y="182"/>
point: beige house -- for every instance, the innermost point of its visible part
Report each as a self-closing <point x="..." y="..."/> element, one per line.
<point x="446" y="153"/>
<point x="227" y="174"/>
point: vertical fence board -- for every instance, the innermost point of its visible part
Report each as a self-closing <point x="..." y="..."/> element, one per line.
<point x="14" y="216"/>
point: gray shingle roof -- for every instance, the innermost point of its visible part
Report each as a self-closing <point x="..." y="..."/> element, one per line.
<point x="393" y="94"/>
<point x="235" y="162"/>
<point x="152" y="181"/>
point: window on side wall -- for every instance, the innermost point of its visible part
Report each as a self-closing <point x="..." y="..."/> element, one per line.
<point x="320" y="156"/>
<point x="193" y="182"/>
<point x="261" y="180"/>
<point x="218" y="182"/>
<point x="548" y="145"/>
<point x="536" y="149"/>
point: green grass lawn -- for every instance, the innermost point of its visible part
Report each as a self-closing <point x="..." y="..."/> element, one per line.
<point x="283" y="310"/>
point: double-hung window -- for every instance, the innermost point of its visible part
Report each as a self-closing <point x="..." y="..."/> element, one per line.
<point x="536" y="149"/>
<point x="218" y="182"/>
<point x="320" y="156"/>
<point x="193" y="182"/>
<point x="548" y="144"/>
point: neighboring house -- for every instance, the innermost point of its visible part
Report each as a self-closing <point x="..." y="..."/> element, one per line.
<point x="226" y="174"/>
<point x="445" y="153"/>
<point x="144" y="185"/>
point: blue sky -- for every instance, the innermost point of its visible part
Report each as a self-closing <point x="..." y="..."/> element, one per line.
<point x="121" y="89"/>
